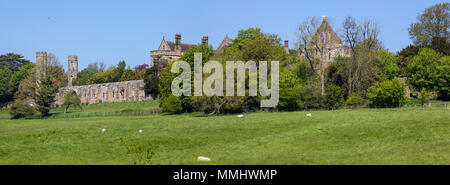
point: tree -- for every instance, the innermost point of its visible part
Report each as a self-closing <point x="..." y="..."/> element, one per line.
<point x="43" y="92"/>
<point x="84" y="75"/>
<point x="20" y="109"/>
<point x="12" y="61"/>
<point x="362" y="39"/>
<point x="389" y="93"/>
<point x="432" y="23"/>
<point x="18" y="76"/>
<point x="386" y="65"/>
<point x="151" y="81"/>
<point x="334" y="97"/>
<point x="128" y="75"/>
<point x="423" y="97"/>
<point x="5" y="75"/>
<point x="252" y="33"/>
<point x="71" y="99"/>
<point x="314" y="47"/>
<point x="422" y="69"/>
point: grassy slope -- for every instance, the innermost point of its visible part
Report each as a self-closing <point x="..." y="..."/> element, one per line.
<point x="364" y="136"/>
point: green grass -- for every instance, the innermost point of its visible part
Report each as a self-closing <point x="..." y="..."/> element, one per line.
<point x="358" y="136"/>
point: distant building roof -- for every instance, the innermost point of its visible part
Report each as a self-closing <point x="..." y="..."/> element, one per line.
<point x="226" y="42"/>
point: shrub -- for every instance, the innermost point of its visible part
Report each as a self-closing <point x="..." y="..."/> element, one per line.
<point x="290" y="99"/>
<point x="389" y="93"/>
<point x="334" y="97"/>
<point x="71" y="99"/>
<point x="20" y="109"/>
<point x="355" y="100"/>
<point x="172" y="104"/>
<point x="311" y="95"/>
<point x="423" y="97"/>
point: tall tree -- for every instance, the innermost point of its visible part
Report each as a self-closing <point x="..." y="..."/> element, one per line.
<point x="12" y="61"/>
<point x="432" y="23"/>
<point x="362" y="38"/>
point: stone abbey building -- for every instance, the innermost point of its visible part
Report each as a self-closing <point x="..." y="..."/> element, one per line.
<point x="166" y="52"/>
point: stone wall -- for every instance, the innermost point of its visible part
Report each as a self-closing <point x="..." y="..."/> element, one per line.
<point x="106" y="92"/>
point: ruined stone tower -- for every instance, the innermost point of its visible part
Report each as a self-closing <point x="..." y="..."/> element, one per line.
<point x="41" y="65"/>
<point x="72" y="69"/>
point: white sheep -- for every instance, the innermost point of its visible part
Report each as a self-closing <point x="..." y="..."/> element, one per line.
<point x="203" y="159"/>
<point x="308" y="115"/>
<point x="103" y="130"/>
<point x="240" y="116"/>
<point x="140" y="131"/>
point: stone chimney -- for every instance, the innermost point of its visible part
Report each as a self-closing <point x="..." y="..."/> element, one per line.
<point x="301" y="49"/>
<point x="286" y="46"/>
<point x="205" y="40"/>
<point x="178" y="41"/>
<point x="73" y="69"/>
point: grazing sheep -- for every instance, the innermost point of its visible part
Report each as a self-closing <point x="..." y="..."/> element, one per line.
<point x="103" y="130"/>
<point x="140" y="131"/>
<point x="203" y="159"/>
<point x="308" y="115"/>
<point x="240" y="116"/>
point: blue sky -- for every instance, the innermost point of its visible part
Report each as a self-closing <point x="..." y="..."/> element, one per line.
<point x="110" y="31"/>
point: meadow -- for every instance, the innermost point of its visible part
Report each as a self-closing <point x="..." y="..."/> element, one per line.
<point x="410" y="135"/>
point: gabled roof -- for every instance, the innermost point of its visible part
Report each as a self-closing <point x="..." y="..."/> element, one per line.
<point x="325" y="31"/>
<point x="170" y="45"/>
<point x="226" y="42"/>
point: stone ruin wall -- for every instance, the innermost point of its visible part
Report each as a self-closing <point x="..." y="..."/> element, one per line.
<point x="107" y="92"/>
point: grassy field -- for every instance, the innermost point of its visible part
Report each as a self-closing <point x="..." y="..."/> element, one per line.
<point x="359" y="136"/>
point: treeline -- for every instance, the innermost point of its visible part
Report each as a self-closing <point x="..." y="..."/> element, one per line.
<point x="26" y="93"/>
<point x="96" y="73"/>
<point x="370" y="77"/>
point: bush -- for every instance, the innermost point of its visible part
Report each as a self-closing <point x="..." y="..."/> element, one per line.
<point x="355" y="101"/>
<point x="389" y="93"/>
<point x="423" y="97"/>
<point x="290" y="99"/>
<point x="71" y="99"/>
<point x="311" y="95"/>
<point x="172" y="104"/>
<point x="334" y="97"/>
<point x="20" y="109"/>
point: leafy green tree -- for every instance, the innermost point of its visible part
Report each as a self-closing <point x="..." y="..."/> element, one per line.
<point x="71" y="99"/>
<point x="5" y="75"/>
<point x="432" y="23"/>
<point x="128" y="75"/>
<point x="422" y="69"/>
<point x="252" y="33"/>
<point x="260" y="49"/>
<point x="18" y="76"/>
<point x="387" y="68"/>
<point x="423" y="97"/>
<point x="166" y="78"/>
<point x="334" y="97"/>
<point x="84" y="75"/>
<point x="20" y="109"/>
<point x="389" y="93"/>
<point x="443" y="78"/>
<point x="46" y="92"/>
<point x="355" y="100"/>
<point x="12" y="61"/>
<point x="151" y="81"/>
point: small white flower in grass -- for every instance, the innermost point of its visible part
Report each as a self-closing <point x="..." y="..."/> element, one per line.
<point x="140" y="131"/>
<point x="308" y="115"/>
<point x="203" y="159"/>
<point x="240" y="116"/>
<point x="103" y="130"/>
